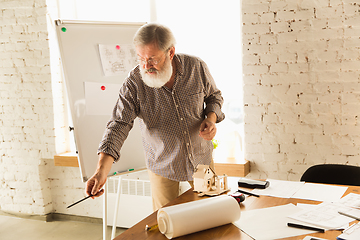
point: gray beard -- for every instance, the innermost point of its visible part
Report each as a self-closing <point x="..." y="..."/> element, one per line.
<point x="160" y="78"/>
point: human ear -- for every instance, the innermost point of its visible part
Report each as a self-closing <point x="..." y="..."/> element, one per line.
<point x="172" y="52"/>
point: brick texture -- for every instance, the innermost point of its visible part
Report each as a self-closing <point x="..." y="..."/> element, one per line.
<point x="32" y="113"/>
<point x="26" y="108"/>
<point x="301" y="85"/>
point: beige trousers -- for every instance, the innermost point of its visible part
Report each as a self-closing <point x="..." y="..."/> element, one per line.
<point x="164" y="190"/>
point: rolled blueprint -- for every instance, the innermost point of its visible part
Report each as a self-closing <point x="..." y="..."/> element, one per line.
<point x="186" y="218"/>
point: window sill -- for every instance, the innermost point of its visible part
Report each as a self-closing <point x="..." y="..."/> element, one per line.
<point x="68" y="159"/>
<point x="233" y="169"/>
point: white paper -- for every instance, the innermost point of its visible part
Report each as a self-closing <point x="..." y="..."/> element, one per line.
<point x="117" y="59"/>
<point x="324" y="215"/>
<point x="306" y="206"/>
<point x="280" y="188"/>
<point x="313" y="238"/>
<point x="270" y="223"/>
<point x="351" y="200"/>
<point x="186" y="218"/>
<point x="320" y="192"/>
<point x="352" y="233"/>
<point x="100" y="98"/>
<point x="302" y="190"/>
<point x="351" y="212"/>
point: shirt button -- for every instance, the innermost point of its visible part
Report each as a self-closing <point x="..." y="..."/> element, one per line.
<point x="181" y="119"/>
<point x="184" y="132"/>
<point x="187" y="144"/>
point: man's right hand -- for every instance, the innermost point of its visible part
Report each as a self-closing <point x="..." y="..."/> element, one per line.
<point x="97" y="181"/>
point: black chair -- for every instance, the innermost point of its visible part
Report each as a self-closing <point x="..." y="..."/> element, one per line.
<point x="333" y="174"/>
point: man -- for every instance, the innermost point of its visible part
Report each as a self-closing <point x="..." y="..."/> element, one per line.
<point x="167" y="91"/>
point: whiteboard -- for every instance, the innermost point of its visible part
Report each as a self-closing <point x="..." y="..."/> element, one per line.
<point x="91" y="88"/>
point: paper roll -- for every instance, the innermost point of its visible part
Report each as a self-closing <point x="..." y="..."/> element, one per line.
<point x="186" y="218"/>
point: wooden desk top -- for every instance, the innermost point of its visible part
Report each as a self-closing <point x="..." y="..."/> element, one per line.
<point x="228" y="231"/>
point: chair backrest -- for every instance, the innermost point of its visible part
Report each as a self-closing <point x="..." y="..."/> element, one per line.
<point x="333" y="174"/>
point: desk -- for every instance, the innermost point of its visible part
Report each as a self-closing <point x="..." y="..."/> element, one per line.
<point x="228" y="231"/>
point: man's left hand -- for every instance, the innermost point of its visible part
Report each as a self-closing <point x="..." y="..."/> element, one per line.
<point x="207" y="129"/>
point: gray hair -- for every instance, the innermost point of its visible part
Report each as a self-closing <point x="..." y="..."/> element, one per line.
<point x="157" y="33"/>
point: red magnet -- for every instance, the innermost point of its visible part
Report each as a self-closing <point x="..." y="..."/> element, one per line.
<point x="117" y="47"/>
<point x="103" y="88"/>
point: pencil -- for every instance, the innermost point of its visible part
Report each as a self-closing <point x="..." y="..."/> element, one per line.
<point x="150" y="228"/>
<point x="306" y="227"/>
<point x="80" y="201"/>
<point x="248" y="193"/>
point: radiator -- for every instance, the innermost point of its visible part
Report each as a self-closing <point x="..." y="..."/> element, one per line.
<point x="135" y="198"/>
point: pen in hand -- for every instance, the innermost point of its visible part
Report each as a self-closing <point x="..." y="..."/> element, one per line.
<point x="80" y="201"/>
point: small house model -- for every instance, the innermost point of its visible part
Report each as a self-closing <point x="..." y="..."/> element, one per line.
<point x="207" y="182"/>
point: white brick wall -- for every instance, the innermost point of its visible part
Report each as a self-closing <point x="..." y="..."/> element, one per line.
<point x="301" y="85"/>
<point x="30" y="183"/>
<point x="26" y="116"/>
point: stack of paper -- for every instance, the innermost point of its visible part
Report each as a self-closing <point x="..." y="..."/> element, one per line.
<point x="271" y="223"/>
<point x="324" y="215"/>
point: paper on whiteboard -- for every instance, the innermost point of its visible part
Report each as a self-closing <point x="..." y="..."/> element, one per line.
<point x="100" y="98"/>
<point x="117" y="59"/>
<point x="186" y="218"/>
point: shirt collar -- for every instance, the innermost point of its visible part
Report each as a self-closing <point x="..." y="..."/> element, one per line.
<point x="179" y="66"/>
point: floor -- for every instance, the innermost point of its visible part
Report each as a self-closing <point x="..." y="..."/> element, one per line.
<point x="29" y="229"/>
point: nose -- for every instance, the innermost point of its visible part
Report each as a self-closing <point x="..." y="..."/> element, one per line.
<point x="148" y="65"/>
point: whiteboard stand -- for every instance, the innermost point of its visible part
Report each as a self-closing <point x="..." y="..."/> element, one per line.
<point x="122" y="177"/>
<point x="105" y="211"/>
<point x="116" y="208"/>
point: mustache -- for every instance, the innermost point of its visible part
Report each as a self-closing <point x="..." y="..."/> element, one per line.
<point x="150" y="70"/>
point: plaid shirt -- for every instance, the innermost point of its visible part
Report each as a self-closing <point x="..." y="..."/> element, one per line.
<point x="169" y="119"/>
